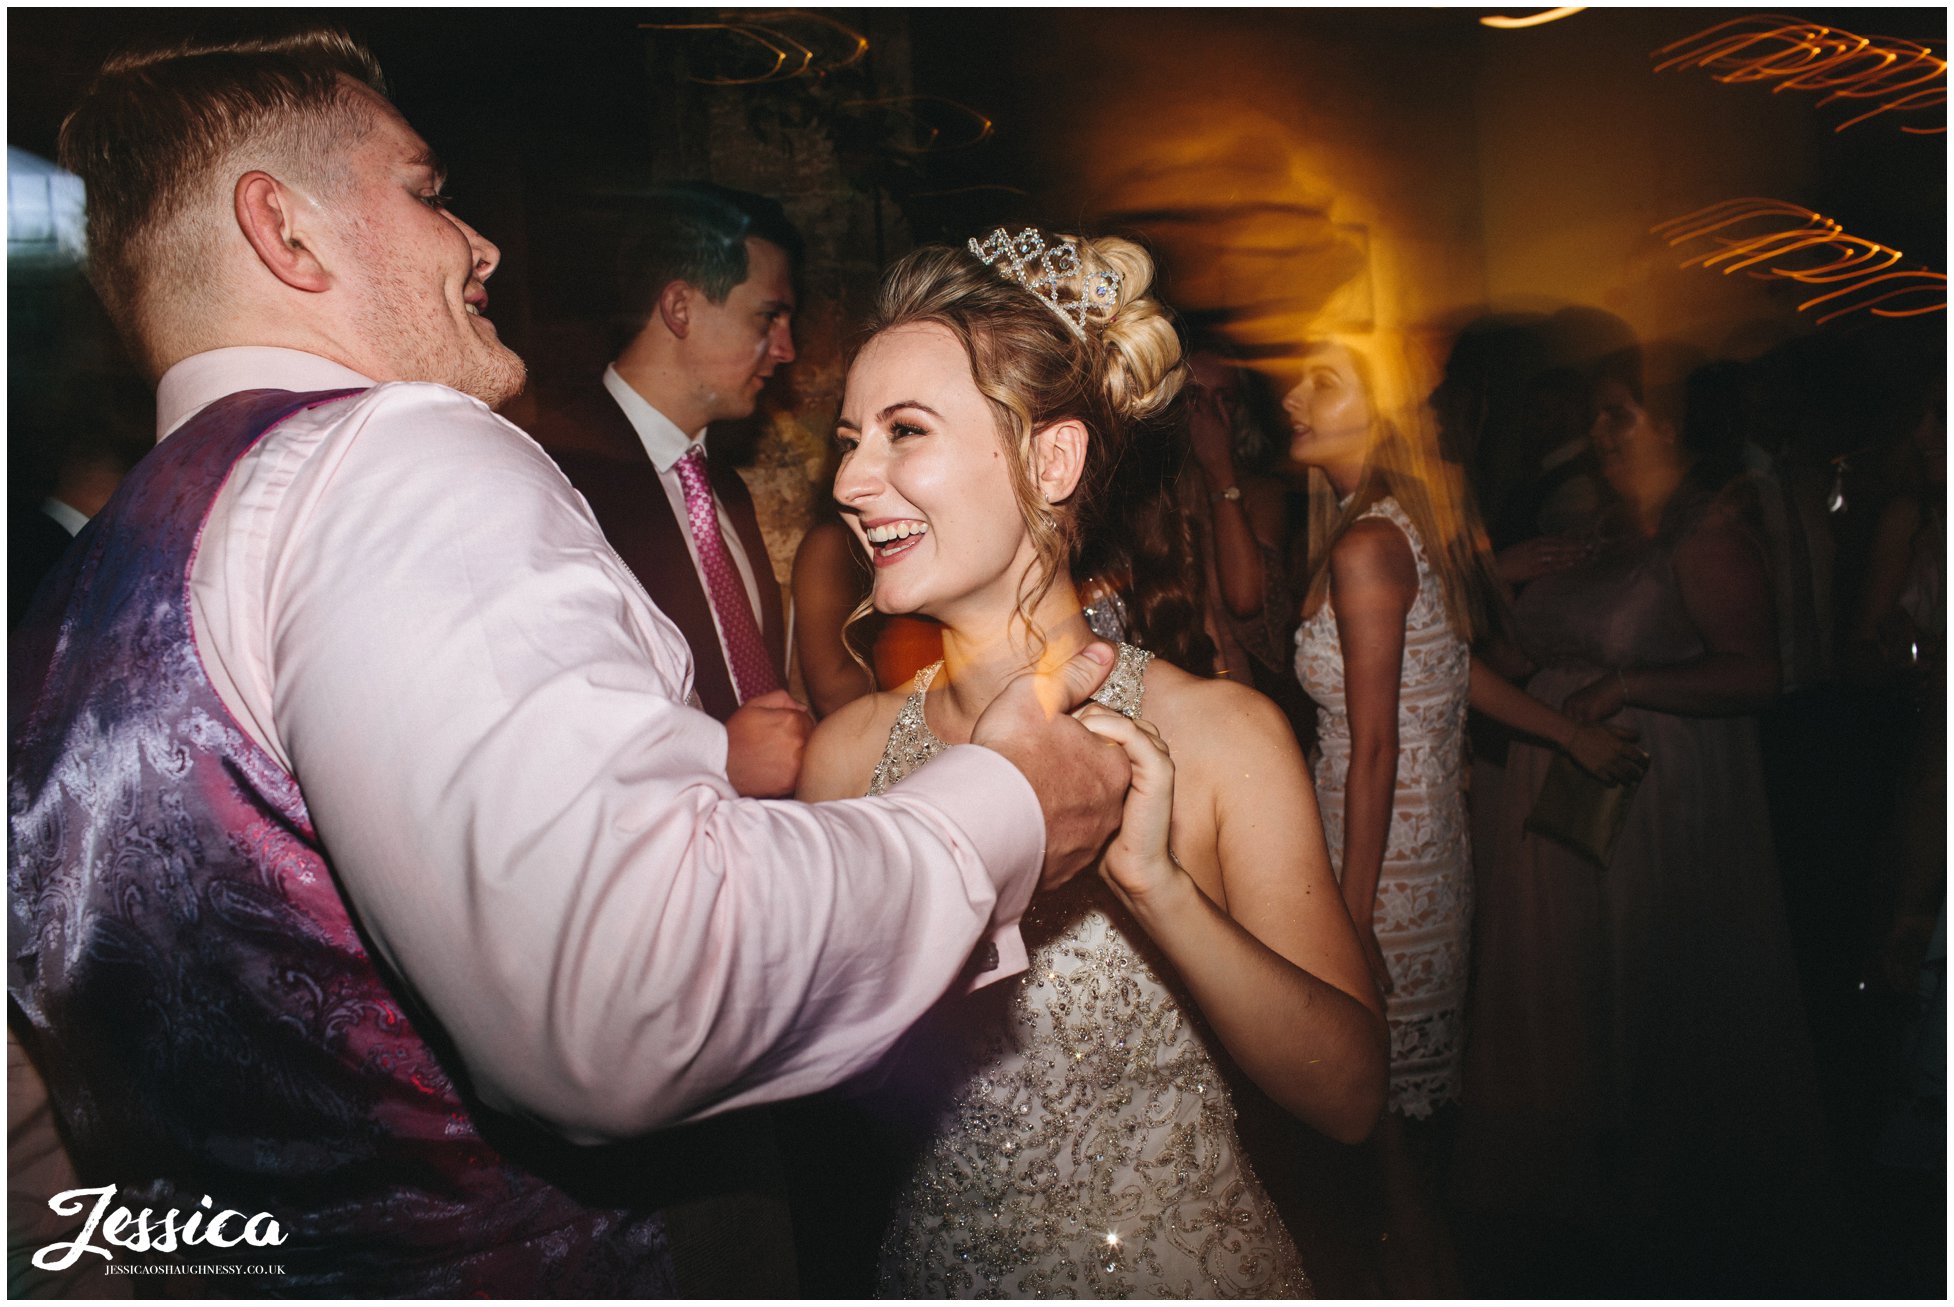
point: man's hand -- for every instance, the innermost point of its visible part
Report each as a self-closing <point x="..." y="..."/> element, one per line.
<point x="765" y="739"/>
<point x="1080" y="779"/>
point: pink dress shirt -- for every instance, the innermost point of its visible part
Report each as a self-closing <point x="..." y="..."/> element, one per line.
<point x="406" y="604"/>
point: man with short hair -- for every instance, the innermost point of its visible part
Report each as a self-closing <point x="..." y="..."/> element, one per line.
<point x="706" y="280"/>
<point x="363" y="848"/>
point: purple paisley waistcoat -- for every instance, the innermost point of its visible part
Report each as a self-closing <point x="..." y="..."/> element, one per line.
<point x="201" y="1000"/>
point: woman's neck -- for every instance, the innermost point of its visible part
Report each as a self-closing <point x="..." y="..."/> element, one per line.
<point x="1654" y="487"/>
<point x="1344" y="478"/>
<point x="983" y="651"/>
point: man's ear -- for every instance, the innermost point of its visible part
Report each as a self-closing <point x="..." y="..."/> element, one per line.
<point x="674" y="307"/>
<point x="272" y="218"/>
<point x="1058" y="455"/>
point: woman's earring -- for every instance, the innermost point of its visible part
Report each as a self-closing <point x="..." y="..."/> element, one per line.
<point x="1835" y="502"/>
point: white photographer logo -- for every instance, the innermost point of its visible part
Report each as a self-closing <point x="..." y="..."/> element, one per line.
<point x="141" y="1233"/>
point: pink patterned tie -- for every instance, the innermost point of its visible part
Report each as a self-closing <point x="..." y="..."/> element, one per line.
<point x="753" y="672"/>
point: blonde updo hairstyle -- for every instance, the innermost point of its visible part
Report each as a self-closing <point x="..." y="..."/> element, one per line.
<point x="1035" y="371"/>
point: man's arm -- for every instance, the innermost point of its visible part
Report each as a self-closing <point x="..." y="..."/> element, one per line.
<point x="484" y="715"/>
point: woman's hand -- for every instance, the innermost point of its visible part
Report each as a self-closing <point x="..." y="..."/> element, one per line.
<point x="1597" y="700"/>
<point x="1138" y="864"/>
<point x="1607" y="752"/>
<point x="1541" y="556"/>
<point x="1211" y="436"/>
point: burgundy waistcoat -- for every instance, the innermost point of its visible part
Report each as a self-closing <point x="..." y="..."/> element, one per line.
<point x="201" y="1001"/>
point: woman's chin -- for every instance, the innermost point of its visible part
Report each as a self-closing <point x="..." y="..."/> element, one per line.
<point x="891" y="604"/>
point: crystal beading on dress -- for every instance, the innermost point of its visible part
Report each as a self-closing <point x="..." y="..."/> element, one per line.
<point x="1081" y="1137"/>
<point x="1042" y="269"/>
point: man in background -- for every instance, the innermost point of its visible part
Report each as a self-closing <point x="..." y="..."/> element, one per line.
<point x="706" y="276"/>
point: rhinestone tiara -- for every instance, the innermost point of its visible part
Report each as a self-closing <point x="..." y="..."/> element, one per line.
<point x="1042" y="270"/>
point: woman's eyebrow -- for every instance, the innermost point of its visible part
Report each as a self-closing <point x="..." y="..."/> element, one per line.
<point x="889" y="412"/>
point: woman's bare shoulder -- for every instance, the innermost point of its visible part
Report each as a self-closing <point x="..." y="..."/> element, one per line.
<point x="1373" y="546"/>
<point x="846" y="745"/>
<point x="1199" y="715"/>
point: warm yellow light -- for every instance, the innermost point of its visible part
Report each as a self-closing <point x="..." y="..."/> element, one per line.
<point x="1531" y="20"/>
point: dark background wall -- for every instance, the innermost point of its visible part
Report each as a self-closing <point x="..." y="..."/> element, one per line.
<point x="1392" y="168"/>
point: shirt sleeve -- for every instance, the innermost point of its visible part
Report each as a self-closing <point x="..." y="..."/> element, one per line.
<point x="485" y="715"/>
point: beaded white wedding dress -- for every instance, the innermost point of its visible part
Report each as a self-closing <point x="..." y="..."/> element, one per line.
<point x="1079" y="1139"/>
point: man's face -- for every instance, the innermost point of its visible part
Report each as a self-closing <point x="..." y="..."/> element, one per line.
<point x="732" y="348"/>
<point x="415" y="272"/>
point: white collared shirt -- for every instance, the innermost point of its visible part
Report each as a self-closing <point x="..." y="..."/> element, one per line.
<point x="65" y="515"/>
<point x="404" y="602"/>
<point x="665" y="444"/>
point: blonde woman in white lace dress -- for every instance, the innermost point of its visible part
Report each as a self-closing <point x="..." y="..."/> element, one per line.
<point x="1077" y="1132"/>
<point x="1396" y="586"/>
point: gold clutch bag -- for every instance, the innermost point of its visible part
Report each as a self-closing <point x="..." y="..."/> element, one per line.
<point x="1581" y="813"/>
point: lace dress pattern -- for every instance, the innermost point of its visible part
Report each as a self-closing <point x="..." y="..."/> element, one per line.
<point x="1079" y="1138"/>
<point x="1424" y="890"/>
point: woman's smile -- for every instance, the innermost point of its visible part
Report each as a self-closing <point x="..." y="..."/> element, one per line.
<point x="890" y="538"/>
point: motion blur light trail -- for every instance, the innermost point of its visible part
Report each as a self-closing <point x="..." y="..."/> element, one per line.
<point x="1812" y="250"/>
<point x="1800" y="55"/>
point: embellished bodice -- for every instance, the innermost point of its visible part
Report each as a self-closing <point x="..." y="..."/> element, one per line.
<point x="1078" y="1135"/>
<point x="912" y="743"/>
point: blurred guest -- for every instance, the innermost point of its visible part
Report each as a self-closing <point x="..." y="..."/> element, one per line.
<point x="707" y="277"/>
<point x="105" y="428"/>
<point x="1554" y="506"/>
<point x="1639" y="1074"/>
<point x="1898" y="642"/>
<point x="1901" y="622"/>
<point x="1759" y="435"/>
<point x="1565" y="491"/>
<point x="830" y="578"/>
<point x="1396" y="593"/>
<point x="1238" y="516"/>
<point x="1237" y="513"/>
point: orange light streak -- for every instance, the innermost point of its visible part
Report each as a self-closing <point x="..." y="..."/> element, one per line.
<point x="792" y="57"/>
<point x="777" y="73"/>
<point x="1860" y="263"/>
<point x="1531" y="20"/>
<point x="857" y="44"/>
<point x="1903" y="76"/>
<point x="1933" y="284"/>
<point x="910" y="107"/>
